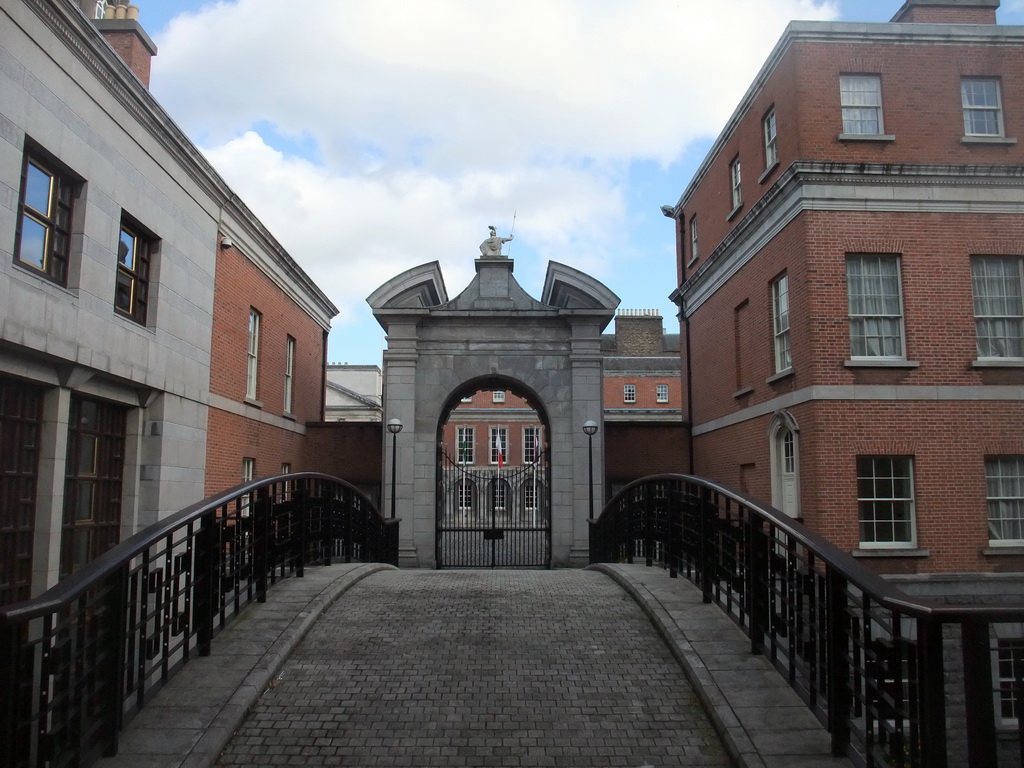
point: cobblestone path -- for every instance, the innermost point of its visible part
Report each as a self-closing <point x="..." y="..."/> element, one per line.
<point x="480" y="668"/>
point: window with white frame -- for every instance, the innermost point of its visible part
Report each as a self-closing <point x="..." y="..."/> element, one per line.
<point x="885" y="498"/>
<point x="100" y="10"/>
<point x="498" y="396"/>
<point x="253" y="354"/>
<point x="861" y="97"/>
<point x="983" y="108"/>
<point x="499" y="445"/>
<point x="736" y="193"/>
<point x="1004" y="480"/>
<point x="531" y="444"/>
<point x="629" y="393"/>
<point x="694" y="239"/>
<point x="499" y="494"/>
<point x="248" y="473"/>
<point x="530" y="496"/>
<point x="289" y="371"/>
<point x="998" y="283"/>
<point x="1009" y="653"/>
<point x="875" y="305"/>
<point x="466" y="439"/>
<point x="771" y="154"/>
<point x="780" y="323"/>
<point x="661" y="393"/>
<point x="465" y="493"/>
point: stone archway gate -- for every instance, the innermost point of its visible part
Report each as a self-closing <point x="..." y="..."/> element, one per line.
<point x="549" y="348"/>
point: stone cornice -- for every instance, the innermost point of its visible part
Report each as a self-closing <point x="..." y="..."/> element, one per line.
<point x="854" y="187"/>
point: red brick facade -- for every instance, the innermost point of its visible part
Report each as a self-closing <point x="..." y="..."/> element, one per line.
<point x="921" y="195"/>
<point x="259" y="428"/>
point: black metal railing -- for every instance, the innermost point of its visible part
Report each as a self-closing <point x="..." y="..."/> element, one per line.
<point x="896" y="680"/>
<point x="83" y="658"/>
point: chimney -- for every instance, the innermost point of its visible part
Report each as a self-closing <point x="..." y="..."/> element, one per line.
<point x="947" y="12"/>
<point x="120" y="26"/>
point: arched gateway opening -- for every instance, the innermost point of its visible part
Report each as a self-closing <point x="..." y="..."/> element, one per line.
<point x="493" y="337"/>
<point x="493" y="471"/>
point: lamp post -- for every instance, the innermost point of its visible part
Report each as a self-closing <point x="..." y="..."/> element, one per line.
<point x="590" y="428"/>
<point x="394" y="427"/>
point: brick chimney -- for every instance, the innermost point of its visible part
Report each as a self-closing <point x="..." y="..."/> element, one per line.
<point x="947" y="12"/>
<point x="120" y="26"/>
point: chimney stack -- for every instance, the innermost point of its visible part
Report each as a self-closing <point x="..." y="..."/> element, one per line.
<point x="947" y="12"/>
<point x="120" y="26"/>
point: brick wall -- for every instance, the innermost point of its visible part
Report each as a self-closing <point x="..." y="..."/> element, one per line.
<point x="632" y="451"/>
<point x="240" y="285"/>
<point x="349" y="450"/>
<point x="646" y="391"/>
<point x="638" y="336"/>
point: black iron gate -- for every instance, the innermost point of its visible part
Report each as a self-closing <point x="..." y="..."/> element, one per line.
<point x="491" y="517"/>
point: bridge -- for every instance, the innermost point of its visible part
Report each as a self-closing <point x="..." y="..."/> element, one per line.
<point x="266" y="627"/>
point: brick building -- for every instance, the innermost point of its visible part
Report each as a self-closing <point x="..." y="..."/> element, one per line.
<point x="131" y="383"/>
<point x="851" y="263"/>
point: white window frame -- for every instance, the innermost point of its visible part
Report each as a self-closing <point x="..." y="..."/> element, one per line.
<point x="498" y="396"/>
<point x="253" y="354"/>
<point x="998" y="306"/>
<point x="465" y="491"/>
<point x="986" y="110"/>
<point x="629" y="393"/>
<point x="494" y="432"/>
<point x="769" y="130"/>
<point x="1007" y="654"/>
<point x="289" y="373"/>
<point x="868" y="325"/>
<point x="248" y="474"/>
<point x="861" y="106"/>
<point x="531" y="443"/>
<point x="465" y="436"/>
<point x="694" y="240"/>
<point x="780" y="323"/>
<point x="1004" y="483"/>
<point x="661" y="393"/>
<point x="883" y="494"/>
<point x="735" y="183"/>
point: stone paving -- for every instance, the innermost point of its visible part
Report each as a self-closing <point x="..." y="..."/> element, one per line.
<point x="480" y="668"/>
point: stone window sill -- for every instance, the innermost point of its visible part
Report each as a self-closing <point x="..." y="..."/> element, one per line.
<point x="767" y="172"/>
<point x="1001" y="140"/>
<point x="779" y="376"/>
<point x="1004" y="549"/>
<point x="882" y="552"/>
<point x="741" y="392"/>
<point x="882" y="137"/>
<point x="692" y="261"/>
<point x="881" y="362"/>
<point x="253" y="402"/>
<point x="998" y="362"/>
<point x="733" y="212"/>
<point x="288" y="415"/>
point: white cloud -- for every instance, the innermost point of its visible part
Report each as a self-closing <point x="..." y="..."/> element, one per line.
<point x="430" y="120"/>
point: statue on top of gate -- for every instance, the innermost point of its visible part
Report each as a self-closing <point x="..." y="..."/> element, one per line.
<point x="491" y="247"/>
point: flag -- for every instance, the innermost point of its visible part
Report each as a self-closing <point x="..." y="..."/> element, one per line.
<point x="501" y="449"/>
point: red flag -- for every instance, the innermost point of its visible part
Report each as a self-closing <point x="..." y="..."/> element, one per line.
<point x="501" y="451"/>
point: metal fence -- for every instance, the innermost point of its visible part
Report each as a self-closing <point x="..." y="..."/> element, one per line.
<point x="83" y="658"/>
<point x="897" y="681"/>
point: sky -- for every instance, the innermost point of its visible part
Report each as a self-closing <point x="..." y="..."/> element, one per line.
<point x="372" y="136"/>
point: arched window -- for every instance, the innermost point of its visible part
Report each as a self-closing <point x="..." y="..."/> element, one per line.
<point x="784" y="444"/>
<point x="101" y="9"/>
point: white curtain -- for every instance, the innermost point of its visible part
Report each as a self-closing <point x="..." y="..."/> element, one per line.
<point x="998" y="306"/>
<point x="876" y="314"/>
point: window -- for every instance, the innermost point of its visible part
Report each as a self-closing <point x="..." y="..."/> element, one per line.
<point x="1004" y="478"/>
<point x="43" y="239"/>
<point x="499" y="445"/>
<point x="771" y="155"/>
<point x="862" y="104"/>
<point x="101" y="9"/>
<point x="885" y="496"/>
<point x="734" y="183"/>
<point x="530" y="497"/>
<point x="248" y="473"/>
<point x="467" y="399"/>
<point x="466" y="438"/>
<point x="131" y="291"/>
<point x="629" y="393"/>
<point x="1009" y="671"/>
<point x="694" y="242"/>
<point x="498" y="396"/>
<point x="661" y="393"/>
<point x="499" y="494"/>
<point x="998" y="284"/>
<point x="876" y="308"/>
<point x="289" y="371"/>
<point x="465" y="494"/>
<point x="254" y="351"/>
<point x="780" y="321"/>
<point x="983" y="110"/>
<point x="531" y="444"/>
